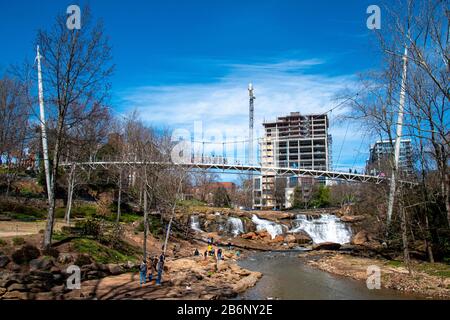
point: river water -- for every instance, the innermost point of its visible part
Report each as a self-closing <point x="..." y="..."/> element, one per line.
<point x="285" y="276"/>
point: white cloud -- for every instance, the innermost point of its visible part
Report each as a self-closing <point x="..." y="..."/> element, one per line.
<point x="280" y="87"/>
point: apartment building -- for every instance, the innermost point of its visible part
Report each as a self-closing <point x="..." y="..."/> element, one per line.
<point x="382" y="150"/>
<point x="294" y="141"/>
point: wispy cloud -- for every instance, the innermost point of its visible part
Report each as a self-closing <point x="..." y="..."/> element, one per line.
<point x="222" y="106"/>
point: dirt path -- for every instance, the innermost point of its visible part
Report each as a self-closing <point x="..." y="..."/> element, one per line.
<point x="19" y="228"/>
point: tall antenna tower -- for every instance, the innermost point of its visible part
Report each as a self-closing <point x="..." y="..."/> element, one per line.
<point x="250" y="123"/>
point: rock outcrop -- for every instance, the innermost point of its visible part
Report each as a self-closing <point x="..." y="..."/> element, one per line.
<point x="326" y="246"/>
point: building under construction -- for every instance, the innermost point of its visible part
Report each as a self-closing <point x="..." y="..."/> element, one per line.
<point x="295" y="141"/>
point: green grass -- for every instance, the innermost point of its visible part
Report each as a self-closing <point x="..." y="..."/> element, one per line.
<point x="435" y="269"/>
<point x="191" y="203"/>
<point x="17" y="241"/>
<point x="129" y="217"/>
<point x="22" y="212"/>
<point x="154" y="225"/>
<point x="395" y="263"/>
<point x="58" y="236"/>
<point x="101" y="253"/>
<point x="83" y="211"/>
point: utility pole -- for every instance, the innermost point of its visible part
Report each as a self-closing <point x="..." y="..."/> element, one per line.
<point x="250" y="123"/>
<point x="43" y="127"/>
<point x="398" y="138"/>
<point x="250" y="136"/>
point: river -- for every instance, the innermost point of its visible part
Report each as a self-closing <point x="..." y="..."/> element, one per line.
<point x="285" y="276"/>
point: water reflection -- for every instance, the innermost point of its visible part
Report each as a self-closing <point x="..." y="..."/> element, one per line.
<point x="285" y="276"/>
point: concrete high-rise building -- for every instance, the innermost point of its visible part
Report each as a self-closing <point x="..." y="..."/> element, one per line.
<point x="294" y="141"/>
<point x="380" y="152"/>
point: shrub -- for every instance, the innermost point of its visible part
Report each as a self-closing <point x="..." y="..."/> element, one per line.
<point x="90" y="227"/>
<point x="17" y="241"/>
<point x="52" y="252"/>
<point x="25" y="254"/>
<point x="115" y="236"/>
<point x="3" y="243"/>
<point x="82" y="260"/>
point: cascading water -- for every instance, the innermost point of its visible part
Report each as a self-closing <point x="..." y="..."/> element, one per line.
<point x="326" y="228"/>
<point x="272" y="228"/>
<point x="236" y="226"/>
<point x="195" y="224"/>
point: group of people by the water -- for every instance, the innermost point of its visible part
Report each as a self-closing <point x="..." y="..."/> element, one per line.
<point x="153" y="266"/>
<point x="213" y="250"/>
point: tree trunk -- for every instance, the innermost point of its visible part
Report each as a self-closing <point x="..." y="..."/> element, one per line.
<point x="404" y="228"/>
<point x="144" y="246"/>
<point x="169" y="226"/>
<point x="119" y="198"/>
<point x="428" y="240"/>
<point x="52" y="192"/>
<point x="445" y="190"/>
<point x="71" y="183"/>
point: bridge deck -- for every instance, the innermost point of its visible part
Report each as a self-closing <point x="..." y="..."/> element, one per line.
<point x="334" y="175"/>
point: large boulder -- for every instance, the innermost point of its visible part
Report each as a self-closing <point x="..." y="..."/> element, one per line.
<point x="115" y="269"/>
<point x="290" y="238"/>
<point x="352" y="219"/>
<point x="25" y="254"/>
<point x="302" y="237"/>
<point x="249" y="236"/>
<point x="4" y="260"/>
<point x="263" y="234"/>
<point x="15" y="295"/>
<point x="362" y="238"/>
<point x="327" y="246"/>
<point x="42" y="263"/>
<point x="65" y="258"/>
<point x="277" y="239"/>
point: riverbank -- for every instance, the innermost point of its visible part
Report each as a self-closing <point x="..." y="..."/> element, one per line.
<point x="430" y="280"/>
<point x="109" y="274"/>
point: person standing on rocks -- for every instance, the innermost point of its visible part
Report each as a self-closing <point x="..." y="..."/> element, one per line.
<point x="219" y="254"/>
<point x="143" y="272"/>
<point x="160" y="268"/>
<point x="153" y="267"/>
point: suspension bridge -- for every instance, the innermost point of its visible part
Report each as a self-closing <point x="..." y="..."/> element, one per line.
<point x="225" y="167"/>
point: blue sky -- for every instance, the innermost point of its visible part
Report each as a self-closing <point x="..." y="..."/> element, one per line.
<point x="180" y="62"/>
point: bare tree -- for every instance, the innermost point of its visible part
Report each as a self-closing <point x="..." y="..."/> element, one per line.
<point x="76" y="71"/>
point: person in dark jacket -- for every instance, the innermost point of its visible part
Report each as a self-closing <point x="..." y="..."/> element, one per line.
<point x="143" y="272"/>
<point x="153" y="267"/>
<point x="160" y="268"/>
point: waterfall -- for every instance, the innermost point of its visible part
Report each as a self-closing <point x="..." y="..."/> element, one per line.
<point x="326" y="228"/>
<point x="272" y="228"/>
<point x="236" y="226"/>
<point x="195" y="224"/>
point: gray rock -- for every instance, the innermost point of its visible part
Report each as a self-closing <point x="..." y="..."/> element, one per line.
<point x="18" y="287"/>
<point x="13" y="267"/>
<point x="15" y="295"/>
<point x="4" y="260"/>
<point x="65" y="258"/>
<point x="42" y="263"/>
<point x="114" y="269"/>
